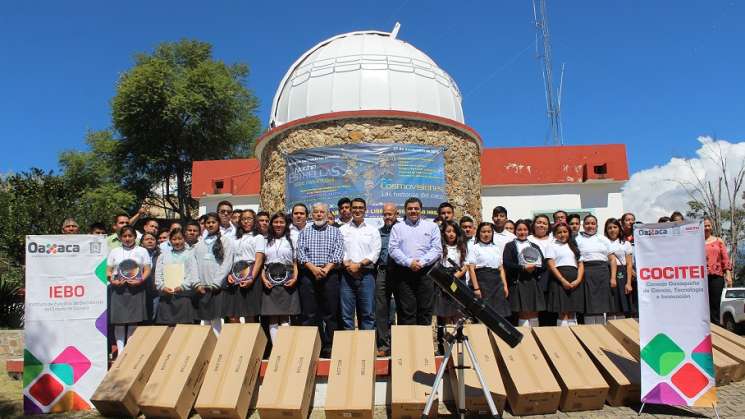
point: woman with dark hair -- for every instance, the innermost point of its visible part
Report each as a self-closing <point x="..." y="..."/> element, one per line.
<point x="509" y="225"/>
<point x="454" y="251"/>
<point x="126" y="268"/>
<point x="574" y="223"/>
<point x="627" y="222"/>
<point x="542" y="238"/>
<point x="677" y="217"/>
<point x="280" y="299"/>
<point x="600" y="271"/>
<point x="175" y="306"/>
<point x="719" y="268"/>
<point x="192" y="233"/>
<point x="214" y="255"/>
<point x="622" y="293"/>
<point x="523" y="265"/>
<point x="485" y="269"/>
<point x="566" y="292"/>
<point x="150" y="242"/>
<point x="262" y="223"/>
<point x="243" y="293"/>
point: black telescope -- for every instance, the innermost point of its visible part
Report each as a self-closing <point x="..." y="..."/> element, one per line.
<point x="474" y="306"/>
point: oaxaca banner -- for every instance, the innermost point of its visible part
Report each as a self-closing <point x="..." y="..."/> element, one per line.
<point x="677" y="366"/>
<point x="379" y="173"/>
<point x="65" y="357"/>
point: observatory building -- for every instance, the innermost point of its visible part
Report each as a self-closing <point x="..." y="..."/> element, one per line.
<point x="371" y="89"/>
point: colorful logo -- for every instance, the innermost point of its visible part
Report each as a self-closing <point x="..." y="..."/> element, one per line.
<point x="46" y="383"/>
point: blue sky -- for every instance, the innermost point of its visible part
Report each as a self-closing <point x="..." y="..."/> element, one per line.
<point x="653" y="75"/>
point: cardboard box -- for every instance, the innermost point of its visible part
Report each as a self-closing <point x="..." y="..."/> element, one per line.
<point x="179" y="372"/>
<point x="619" y="368"/>
<point x="412" y="371"/>
<point x="351" y="386"/>
<point x="233" y="372"/>
<point x="582" y="385"/>
<point x="119" y="392"/>
<point x="478" y="336"/>
<point x="291" y="374"/>
<point x="732" y="337"/>
<point x="733" y="351"/>
<point x="530" y="384"/>
<point x="626" y="332"/>
<point x="724" y="367"/>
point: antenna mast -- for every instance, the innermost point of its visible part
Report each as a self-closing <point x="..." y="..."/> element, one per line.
<point x="553" y="101"/>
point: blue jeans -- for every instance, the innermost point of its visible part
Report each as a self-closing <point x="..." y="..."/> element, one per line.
<point x="359" y="295"/>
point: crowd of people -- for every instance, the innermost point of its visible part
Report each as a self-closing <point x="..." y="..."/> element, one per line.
<point x="311" y="267"/>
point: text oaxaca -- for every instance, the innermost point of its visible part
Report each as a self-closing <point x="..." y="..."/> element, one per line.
<point x="672" y="272"/>
<point x="52" y="248"/>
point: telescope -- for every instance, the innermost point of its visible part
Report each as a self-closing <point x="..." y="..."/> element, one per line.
<point x="474" y="306"/>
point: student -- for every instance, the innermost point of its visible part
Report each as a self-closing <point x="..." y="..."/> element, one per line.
<point x="663" y="219"/>
<point x="262" y="223"/>
<point x="559" y="216"/>
<point x="566" y="293"/>
<point x="175" y="304"/>
<point x="214" y="255"/>
<point x="541" y="236"/>
<point x="627" y="222"/>
<point x="446" y="212"/>
<point x="163" y="237"/>
<point x="574" y="221"/>
<point x="150" y="225"/>
<point x="719" y="268"/>
<point x="279" y="300"/>
<point x="454" y="253"/>
<point x="502" y="233"/>
<point x="70" y="226"/>
<point x="97" y="229"/>
<point x="235" y="217"/>
<point x="299" y="221"/>
<point x="149" y="242"/>
<point x="509" y="227"/>
<point x="600" y="271"/>
<point x="623" y="291"/>
<point x="243" y="296"/>
<point x="192" y="233"/>
<point x="468" y="228"/>
<point x="120" y="220"/>
<point x="525" y="297"/>
<point x="344" y="206"/>
<point x="225" y="212"/>
<point x="126" y="268"/>
<point x="485" y="269"/>
<point x="677" y="217"/>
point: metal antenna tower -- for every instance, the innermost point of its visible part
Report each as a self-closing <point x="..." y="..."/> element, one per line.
<point x="553" y="101"/>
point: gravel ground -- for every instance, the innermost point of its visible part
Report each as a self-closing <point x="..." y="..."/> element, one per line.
<point x="731" y="405"/>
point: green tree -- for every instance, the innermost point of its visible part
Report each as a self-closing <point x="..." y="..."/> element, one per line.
<point x="178" y="105"/>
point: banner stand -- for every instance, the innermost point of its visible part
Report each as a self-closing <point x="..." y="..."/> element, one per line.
<point x="713" y="406"/>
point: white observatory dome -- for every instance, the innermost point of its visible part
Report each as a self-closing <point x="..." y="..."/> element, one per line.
<point x="367" y="70"/>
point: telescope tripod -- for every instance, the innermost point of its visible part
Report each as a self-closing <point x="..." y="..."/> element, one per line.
<point x="456" y="339"/>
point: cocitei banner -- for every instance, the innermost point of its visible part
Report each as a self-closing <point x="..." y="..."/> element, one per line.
<point x="677" y="366"/>
<point x="65" y="323"/>
<point x="379" y="173"/>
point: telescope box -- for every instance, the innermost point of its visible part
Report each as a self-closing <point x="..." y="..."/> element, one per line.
<point x="724" y="367"/>
<point x="233" y="372"/>
<point x="412" y="371"/>
<point x="732" y="337"/>
<point x="478" y="336"/>
<point x="619" y="368"/>
<point x="583" y="388"/>
<point x="530" y="384"/>
<point x="290" y="376"/>
<point x="119" y="392"/>
<point x="351" y="386"/>
<point x="733" y="351"/>
<point x="626" y="332"/>
<point x="179" y="372"/>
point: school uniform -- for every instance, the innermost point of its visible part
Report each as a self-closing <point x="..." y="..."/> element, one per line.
<point x="545" y="317"/>
<point x="176" y="308"/>
<point x="525" y="294"/>
<point x="151" y="292"/>
<point x="212" y="274"/>
<point x="486" y="259"/>
<point x="128" y="302"/>
<point x="280" y="300"/>
<point x="594" y="251"/>
<point x="445" y="306"/>
<point x="245" y="301"/>
<point x="624" y="303"/>
<point x="561" y="300"/>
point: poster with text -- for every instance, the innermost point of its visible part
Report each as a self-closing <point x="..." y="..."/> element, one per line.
<point x="65" y="355"/>
<point x="677" y="367"/>
<point x="378" y="173"/>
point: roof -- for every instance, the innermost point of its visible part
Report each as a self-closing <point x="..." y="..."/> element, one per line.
<point x="499" y="167"/>
<point x="365" y="70"/>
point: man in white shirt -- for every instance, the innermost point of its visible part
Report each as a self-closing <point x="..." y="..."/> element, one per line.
<point x="225" y="214"/>
<point x="501" y="236"/>
<point x="344" y="208"/>
<point x="361" y="251"/>
<point x="299" y="215"/>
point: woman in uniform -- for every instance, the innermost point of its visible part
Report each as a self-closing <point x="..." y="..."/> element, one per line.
<point x="523" y="266"/>
<point x="566" y="292"/>
<point x="280" y="298"/>
<point x="623" y="291"/>
<point x="214" y="255"/>
<point x="600" y="271"/>
<point x="175" y="306"/>
<point x="243" y="294"/>
<point x="485" y="269"/>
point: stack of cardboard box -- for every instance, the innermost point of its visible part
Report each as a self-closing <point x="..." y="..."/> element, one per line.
<point x="412" y="371"/>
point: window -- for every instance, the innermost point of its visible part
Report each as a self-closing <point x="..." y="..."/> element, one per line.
<point x="735" y="294"/>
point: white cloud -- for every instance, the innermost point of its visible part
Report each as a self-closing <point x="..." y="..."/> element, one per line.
<point x="656" y="192"/>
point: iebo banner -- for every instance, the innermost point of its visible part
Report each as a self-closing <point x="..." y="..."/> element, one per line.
<point x="65" y="354"/>
<point x="677" y="366"/>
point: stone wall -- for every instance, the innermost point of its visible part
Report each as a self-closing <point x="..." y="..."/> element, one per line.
<point x="462" y="157"/>
<point x="11" y="344"/>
